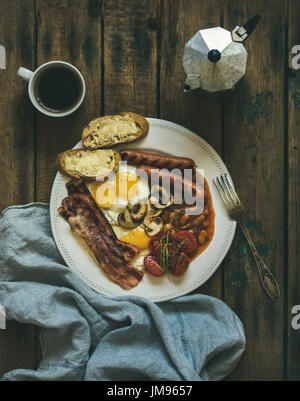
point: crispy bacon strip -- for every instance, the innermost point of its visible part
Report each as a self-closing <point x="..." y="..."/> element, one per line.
<point x="88" y="221"/>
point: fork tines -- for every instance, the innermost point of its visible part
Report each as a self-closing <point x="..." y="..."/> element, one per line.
<point x="227" y="192"/>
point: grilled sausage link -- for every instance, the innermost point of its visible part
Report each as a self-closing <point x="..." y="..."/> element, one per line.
<point x="177" y="183"/>
<point x="157" y="160"/>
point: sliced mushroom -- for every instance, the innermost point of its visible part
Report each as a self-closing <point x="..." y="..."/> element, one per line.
<point x="153" y="226"/>
<point x="138" y="210"/>
<point x="125" y="220"/>
<point x="152" y="210"/>
<point x="160" y="197"/>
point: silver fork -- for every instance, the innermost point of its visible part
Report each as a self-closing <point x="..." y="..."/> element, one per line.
<point x="237" y="212"/>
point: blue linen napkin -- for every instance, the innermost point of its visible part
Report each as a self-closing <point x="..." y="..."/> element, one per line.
<point x="88" y="336"/>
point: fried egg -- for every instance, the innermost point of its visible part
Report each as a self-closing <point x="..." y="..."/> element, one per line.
<point x="137" y="237"/>
<point x="113" y="197"/>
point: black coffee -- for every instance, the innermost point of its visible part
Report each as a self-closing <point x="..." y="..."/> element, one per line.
<point x="58" y="89"/>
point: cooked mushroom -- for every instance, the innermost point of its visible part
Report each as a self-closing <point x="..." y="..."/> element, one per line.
<point x="160" y="197"/>
<point x="153" y="226"/>
<point x="125" y="220"/>
<point x="152" y="210"/>
<point x="138" y="210"/>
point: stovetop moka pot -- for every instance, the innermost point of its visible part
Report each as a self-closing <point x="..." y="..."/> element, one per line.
<point x="215" y="59"/>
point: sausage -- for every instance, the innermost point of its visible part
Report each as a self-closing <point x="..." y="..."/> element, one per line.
<point x="157" y="160"/>
<point x="177" y="183"/>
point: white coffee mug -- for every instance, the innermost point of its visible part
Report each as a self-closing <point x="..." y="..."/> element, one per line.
<point x="33" y="76"/>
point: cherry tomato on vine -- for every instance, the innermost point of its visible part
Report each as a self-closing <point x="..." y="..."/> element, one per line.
<point x="181" y="264"/>
<point x="152" y="266"/>
<point x="187" y="240"/>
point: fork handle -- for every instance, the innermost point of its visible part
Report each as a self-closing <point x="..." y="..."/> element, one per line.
<point x="268" y="281"/>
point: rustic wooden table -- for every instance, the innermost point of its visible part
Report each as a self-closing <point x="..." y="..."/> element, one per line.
<point x="129" y="52"/>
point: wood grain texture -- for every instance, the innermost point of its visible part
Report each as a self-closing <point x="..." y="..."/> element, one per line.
<point x="130" y="56"/>
<point x="254" y="154"/>
<point x="68" y="30"/>
<point x="293" y="285"/>
<point x="181" y="19"/>
<point x="17" y="145"/>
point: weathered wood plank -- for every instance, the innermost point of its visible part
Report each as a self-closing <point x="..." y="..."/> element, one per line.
<point x="130" y="56"/>
<point x="254" y="153"/>
<point x="68" y="30"/>
<point x="181" y="19"/>
<point x="293" y="362"/>
<point x="17" y="145"/>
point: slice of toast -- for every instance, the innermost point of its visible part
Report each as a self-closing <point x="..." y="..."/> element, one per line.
<point x="111" y="130"/>
<point x="88" y="164"/>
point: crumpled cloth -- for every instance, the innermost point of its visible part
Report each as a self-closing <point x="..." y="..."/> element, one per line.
<point x="88" y="336"/>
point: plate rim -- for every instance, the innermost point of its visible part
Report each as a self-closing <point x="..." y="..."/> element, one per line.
<point x="186" y="289"/>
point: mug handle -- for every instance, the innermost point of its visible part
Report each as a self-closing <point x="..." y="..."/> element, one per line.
<point x="25" y="74"/>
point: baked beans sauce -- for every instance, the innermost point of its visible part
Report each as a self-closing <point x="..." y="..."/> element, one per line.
<point x="202" y="226"/>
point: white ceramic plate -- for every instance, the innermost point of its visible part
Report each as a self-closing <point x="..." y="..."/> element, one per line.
<point x="170" y="138"/>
